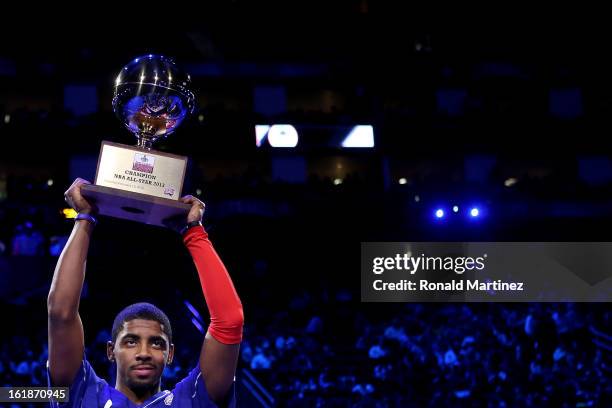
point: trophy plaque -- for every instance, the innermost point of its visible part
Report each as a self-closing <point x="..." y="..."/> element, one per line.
<point x="152" y="98"/>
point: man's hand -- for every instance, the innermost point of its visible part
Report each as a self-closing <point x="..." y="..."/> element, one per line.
<point x="75" y="199"/>
<point x="197" y="208"/>
<point x="66" y="338"/>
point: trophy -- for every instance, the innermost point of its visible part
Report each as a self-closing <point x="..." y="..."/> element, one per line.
<point x="152" y="98"/>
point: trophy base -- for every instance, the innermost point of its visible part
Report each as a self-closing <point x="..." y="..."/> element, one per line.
<point x="137" y="207"/>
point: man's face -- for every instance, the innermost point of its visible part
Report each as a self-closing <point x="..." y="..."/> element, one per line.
<point x="141" y="351"/>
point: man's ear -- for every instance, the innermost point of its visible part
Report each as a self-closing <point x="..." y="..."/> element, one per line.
<point x="110" y="353"/>
<point x="170" y="354"/>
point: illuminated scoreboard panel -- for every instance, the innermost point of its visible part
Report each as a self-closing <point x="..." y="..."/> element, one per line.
<point x="289" y="136"/>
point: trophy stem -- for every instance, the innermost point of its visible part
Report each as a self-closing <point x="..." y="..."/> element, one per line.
<point x="144" y="142"/>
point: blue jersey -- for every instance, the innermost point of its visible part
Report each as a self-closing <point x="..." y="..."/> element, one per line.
<point x="90" y="391"/>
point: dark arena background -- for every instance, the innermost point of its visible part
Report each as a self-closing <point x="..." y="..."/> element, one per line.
<point x="316" y="130"/>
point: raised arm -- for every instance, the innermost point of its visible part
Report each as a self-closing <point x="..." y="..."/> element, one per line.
<point x="66" y="343"/>
<point x="219" y="355"/>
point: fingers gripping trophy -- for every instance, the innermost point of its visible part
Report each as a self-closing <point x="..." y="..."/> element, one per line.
<point x="152" y="98"/>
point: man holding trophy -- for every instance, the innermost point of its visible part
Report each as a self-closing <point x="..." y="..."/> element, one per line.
<point x="141" y="344"/>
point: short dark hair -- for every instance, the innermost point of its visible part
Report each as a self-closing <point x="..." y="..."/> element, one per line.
<point x="145" y="311"/>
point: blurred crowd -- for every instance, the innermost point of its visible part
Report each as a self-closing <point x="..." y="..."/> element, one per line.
<point x="331" y="351"/>
<point x="489" y="355"/>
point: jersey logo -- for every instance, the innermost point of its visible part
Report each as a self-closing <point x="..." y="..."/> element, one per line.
<point x="168" y="399"/>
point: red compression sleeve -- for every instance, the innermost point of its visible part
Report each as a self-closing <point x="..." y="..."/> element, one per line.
<point x="224" y="306"/>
